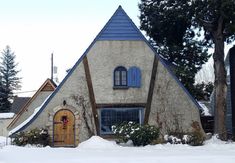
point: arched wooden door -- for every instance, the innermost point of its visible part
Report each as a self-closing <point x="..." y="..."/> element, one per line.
<point x="64" y="128"/>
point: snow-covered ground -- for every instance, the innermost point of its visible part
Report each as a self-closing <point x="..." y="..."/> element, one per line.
<point x="99" y="150"/>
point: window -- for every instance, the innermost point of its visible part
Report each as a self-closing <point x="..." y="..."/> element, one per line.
<point x="114" y="116"/>
<point x="134" y="77"/>
<point x="120" y="77"/>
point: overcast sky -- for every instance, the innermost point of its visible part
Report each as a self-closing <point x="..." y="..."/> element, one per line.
<point x="36" y="28"/>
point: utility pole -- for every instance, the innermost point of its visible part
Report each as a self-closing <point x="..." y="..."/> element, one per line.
<point x="52" y="66"/>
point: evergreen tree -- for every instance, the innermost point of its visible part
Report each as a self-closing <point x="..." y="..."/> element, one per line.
<point x="9" y="80"/>
<point x="177" y="22"/>
<point x="174" y="38"/>
<point x="4" y="103"/>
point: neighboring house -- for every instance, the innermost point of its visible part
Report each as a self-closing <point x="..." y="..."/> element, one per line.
<point x="35" y="101"/>
<point x="6" y="118"/>
<point x="207" y="119"/>
<point x="18" y="103"/>
<point x="230" y="99"/>
<point x="118" y="78"/>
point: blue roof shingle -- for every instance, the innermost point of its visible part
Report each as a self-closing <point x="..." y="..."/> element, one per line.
<point x="120" y="27"/>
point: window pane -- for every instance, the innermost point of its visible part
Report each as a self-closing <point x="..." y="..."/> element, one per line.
<point x="115" y="116"/>
<point x="117" y="78"/>
<point x="124" y="78"/>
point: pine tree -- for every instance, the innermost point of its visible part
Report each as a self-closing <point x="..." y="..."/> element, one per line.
<point x="9" y="80"/>
<point x="174" y="38"/>
<point x="208" y="23"/>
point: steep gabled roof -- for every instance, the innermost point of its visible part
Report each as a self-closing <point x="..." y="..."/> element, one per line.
<point x="48" y="85"/>
<point x="111" y="32"/>
<point x="120" y="27"/>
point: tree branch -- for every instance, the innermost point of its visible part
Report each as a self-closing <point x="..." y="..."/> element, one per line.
<point x="208" y="25"/>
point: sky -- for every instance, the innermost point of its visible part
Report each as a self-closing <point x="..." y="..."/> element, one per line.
<point x="36" y="28"/>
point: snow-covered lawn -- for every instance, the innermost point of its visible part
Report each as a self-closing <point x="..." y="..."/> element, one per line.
<point x="98" y="150"/>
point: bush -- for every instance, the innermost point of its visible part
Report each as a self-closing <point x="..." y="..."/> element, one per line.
<point x="194" y="138"/>
<point x="176" y="139"/>
<point x="38" y="137"/>
<point x="140" y="135"/>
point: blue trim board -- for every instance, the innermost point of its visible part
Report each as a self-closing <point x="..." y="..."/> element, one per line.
<point x="138" y="36"/>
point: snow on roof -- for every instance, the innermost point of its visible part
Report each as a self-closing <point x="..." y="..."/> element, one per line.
<point x="6" y="115"/>
<point x="36" y="110"/>
<point x="205" y="110"/>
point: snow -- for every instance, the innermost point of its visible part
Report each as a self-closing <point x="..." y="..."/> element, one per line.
<point x="6" y="115"/>
<point x="205" y="110"/>
<point x="36" y="110"/>
<point x="4" y="141"/>
<point x="99" y="150"/>
<point x="99" y="142"/>
<point x="25" y="122"/>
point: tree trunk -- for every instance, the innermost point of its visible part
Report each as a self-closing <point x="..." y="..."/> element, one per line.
<point x="220" y="82"/>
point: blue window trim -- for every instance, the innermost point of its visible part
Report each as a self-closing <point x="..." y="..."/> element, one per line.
<point x="141" y="116"/>
<point x="122" y="84"/>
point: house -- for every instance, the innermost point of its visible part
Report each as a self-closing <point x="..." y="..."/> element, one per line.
<point x="230" y="104"/>
<point x="26" y="110"/>
<point x="230" y="99"/>
<point x="119" y="78"/>
<point x="18" y="103"/>
<point x="6" y="118"/>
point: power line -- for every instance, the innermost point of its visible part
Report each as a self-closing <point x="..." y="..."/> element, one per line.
<point x="24" y="92"/>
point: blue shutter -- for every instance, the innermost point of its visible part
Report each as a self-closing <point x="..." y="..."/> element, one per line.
<point x="138" y="77"/>
<point x="134" y="77"/>
<point x="129" y="78"/>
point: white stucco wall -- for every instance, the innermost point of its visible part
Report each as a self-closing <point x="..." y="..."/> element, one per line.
<point x="172" y="110"/>
<point x="105" y="56"/>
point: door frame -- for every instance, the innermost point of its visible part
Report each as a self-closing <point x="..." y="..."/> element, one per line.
<point x="74" y="128"/>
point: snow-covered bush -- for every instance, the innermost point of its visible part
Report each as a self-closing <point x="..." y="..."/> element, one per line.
<point x="177" y="138"/>
<point x="195" y="137"/>
<point x="38" y="137"/>
<point x="140" y="135"/>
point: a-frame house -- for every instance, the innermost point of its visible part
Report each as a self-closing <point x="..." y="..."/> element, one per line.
<point x="118" y="78"/>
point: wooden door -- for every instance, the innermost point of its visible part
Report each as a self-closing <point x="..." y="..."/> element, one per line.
<point x="64" y="127"/>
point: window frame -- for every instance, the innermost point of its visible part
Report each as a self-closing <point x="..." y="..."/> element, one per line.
<point x="140" y="116"/>
<point x="123" y="83"/>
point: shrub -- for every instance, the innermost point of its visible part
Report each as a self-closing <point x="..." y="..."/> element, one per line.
<point x="194" y="138"/>
<point x="38" y="137"/>
<point x="140" y="135"/>
<point x="176" y="139"/>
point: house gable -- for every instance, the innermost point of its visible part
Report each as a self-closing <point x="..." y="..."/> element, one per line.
<point x="36" y="100"/>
